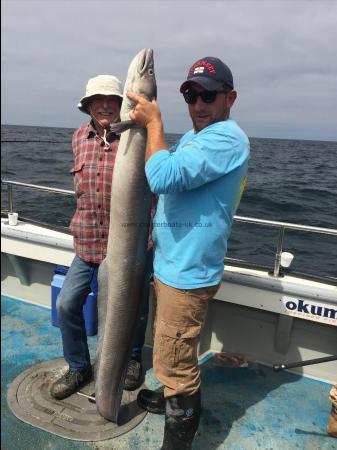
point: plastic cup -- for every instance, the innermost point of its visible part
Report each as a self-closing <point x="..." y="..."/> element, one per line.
<point x="286" y="259"/>
<point x="13" y="218"/>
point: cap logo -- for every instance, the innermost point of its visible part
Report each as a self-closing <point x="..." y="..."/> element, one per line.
<point x="200" y="66"/>
<point x="198" y="70"/>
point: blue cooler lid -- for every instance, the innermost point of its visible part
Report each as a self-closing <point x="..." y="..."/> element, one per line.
<point x="61" y="270"/>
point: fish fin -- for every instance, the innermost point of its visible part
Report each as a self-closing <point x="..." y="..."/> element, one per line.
<point x="119" y="127"/>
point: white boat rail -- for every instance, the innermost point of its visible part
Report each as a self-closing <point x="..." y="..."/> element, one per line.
<point x="282" y="226"/>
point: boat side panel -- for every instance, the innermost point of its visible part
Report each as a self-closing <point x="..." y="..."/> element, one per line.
<point x="240" y="329"/>
<point x="39" y="275"/>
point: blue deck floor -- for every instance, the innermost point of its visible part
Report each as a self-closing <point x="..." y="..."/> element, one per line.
<point x="243" y="408"/>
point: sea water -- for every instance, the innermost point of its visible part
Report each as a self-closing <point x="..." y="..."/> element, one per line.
<point x="289" y="180"/>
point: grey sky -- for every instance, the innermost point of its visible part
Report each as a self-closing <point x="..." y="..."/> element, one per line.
<point x="282" y="54"/>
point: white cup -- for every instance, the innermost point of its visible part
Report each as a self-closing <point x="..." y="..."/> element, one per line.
<point x="286" y="259"/>
<point x="12" y="218"/>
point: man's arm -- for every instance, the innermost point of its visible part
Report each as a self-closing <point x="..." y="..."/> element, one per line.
<point x="147" y="114"/>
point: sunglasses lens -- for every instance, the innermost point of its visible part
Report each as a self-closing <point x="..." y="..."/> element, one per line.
<point x="191" y="96"/>
<point x="208" y="96"/>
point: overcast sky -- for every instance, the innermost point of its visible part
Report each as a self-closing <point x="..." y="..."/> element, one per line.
<point x="282" y="55"/>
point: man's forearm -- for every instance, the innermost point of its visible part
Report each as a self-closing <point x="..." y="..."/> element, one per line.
<point x="155" y="138"/>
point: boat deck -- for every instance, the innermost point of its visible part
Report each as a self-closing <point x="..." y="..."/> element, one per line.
<point x="243" y="408"/>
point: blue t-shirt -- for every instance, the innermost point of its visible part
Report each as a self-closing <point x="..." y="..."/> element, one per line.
<point x="200" y="181"/>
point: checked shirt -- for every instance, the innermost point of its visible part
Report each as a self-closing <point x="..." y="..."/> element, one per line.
<point x="92" y="172"/>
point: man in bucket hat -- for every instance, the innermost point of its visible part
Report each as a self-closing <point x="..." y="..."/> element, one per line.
<point x="200" y="182"/>
<point x="94" y="148"/>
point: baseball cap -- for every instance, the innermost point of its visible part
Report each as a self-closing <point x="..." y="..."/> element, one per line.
<point x="210" y="73"/>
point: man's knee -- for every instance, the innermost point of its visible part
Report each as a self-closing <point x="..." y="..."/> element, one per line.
<point x="68" y="305"/>
<point x="63" y="307"/>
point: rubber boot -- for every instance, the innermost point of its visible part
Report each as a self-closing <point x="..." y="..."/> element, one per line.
<point x="182" y="418"/>
<point x="151" y="401"/>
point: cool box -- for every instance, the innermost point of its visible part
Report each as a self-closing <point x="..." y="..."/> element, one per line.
<point x="89" y="308"/>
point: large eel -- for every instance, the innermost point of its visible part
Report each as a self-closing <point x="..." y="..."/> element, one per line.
<point x="121" y="274"/>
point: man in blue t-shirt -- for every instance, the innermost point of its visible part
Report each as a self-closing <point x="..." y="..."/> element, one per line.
<point x="199" y="182"/>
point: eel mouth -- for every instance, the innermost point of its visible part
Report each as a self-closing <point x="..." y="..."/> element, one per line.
<point x="145" y="61"/>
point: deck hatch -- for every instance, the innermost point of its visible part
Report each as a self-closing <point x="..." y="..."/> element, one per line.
<point x="73" y="418"/>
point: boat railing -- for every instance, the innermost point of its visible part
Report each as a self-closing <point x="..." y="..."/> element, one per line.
<point x="282" y="226"/>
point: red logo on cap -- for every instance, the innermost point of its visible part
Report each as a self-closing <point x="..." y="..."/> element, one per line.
<point x="206" y="64"/>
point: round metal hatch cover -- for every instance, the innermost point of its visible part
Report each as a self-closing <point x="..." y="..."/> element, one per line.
<point x="75" y="417"/>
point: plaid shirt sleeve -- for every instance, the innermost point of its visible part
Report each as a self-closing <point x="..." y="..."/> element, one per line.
<point x="92" y="172"/>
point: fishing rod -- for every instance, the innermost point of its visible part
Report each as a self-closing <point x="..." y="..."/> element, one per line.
<point x="278" y="367"/>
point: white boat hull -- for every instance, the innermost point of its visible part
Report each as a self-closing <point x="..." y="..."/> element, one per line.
<point x="268" y="319"/>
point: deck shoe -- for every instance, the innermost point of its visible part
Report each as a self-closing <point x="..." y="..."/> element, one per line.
<point x="70" y="383"/>
<point x="134" y="376"/>
<point x="182" y="418"/>
<point x="152" y="401"/>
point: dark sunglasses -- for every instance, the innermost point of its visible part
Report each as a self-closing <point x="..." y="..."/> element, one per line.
<point x="191" y="96"/>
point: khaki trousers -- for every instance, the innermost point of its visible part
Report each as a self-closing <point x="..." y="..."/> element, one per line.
<point x="178" y="319"/>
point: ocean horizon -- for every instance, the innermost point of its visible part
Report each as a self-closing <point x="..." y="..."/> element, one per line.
<point x="180" y="134"/>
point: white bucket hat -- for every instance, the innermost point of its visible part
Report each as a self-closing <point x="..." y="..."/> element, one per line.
<point x="100" y="85"/>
